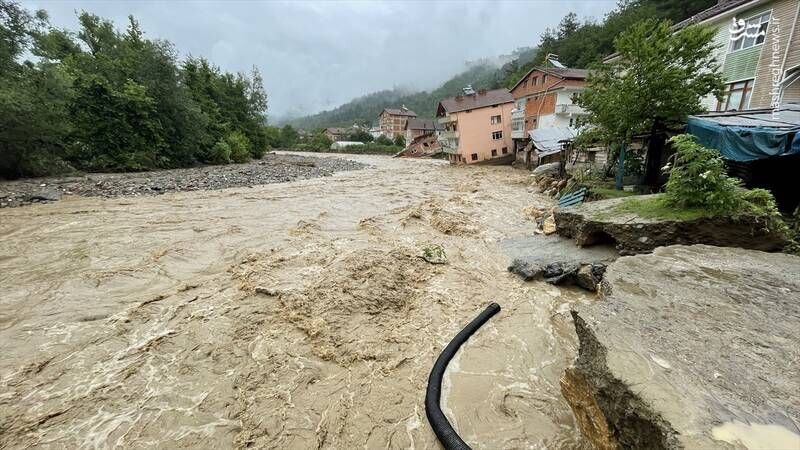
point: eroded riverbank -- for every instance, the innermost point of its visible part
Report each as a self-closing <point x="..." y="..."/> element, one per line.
<point x="293" y="315"/>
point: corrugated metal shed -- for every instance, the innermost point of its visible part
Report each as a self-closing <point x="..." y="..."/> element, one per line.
<point x="547" y="141"/>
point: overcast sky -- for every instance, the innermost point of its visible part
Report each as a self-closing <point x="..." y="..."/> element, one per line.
<point x="318" y="55"/>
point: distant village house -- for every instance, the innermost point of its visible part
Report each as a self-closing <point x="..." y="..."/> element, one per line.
<point x="392" y="121"/>
<point x="337" y="134"/>
<point x="544" y="99"/>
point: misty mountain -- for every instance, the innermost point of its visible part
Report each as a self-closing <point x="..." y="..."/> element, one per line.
<point x="482" y="74"/>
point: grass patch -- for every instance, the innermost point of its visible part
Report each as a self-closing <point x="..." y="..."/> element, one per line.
<point x="652" y="208"/>
<point x="606" y="192"/>
<point x="655" y="208"/>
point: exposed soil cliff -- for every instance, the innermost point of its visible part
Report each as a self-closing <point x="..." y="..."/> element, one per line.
<point x="690" y="347"/>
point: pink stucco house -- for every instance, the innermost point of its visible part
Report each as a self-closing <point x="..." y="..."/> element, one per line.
<point x="477" y="127"/>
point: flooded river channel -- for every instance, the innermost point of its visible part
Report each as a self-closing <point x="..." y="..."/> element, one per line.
<point x="294" y="315"/>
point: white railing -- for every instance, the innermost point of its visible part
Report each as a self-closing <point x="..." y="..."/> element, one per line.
<point x="448" y="135"/>
<point x="568" y="108"/>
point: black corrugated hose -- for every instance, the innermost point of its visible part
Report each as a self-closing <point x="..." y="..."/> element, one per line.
<point x="441" y="426"/>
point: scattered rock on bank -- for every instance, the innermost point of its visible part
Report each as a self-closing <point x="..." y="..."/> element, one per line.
<point x="602" y="222"/>
<point x="685" y="343"/>
<point x="272" y="168"/>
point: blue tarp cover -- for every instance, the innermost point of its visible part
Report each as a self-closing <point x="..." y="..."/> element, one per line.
<point x="744" y="143"/>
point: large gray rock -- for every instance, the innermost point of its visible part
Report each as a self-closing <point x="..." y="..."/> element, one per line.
<point x="686" y="347"/>
<point x="550" y="169"/>
<point x="555" y="259"/>
<point x="591" y="223"/>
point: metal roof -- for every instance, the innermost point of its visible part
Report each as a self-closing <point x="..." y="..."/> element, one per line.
<point x="481" y="99"/>
<point x="564" y="73"/>
<point x="548" y="140"/>
<point x="400" y="112"/>
<point x="424" y="124"/>
<point x="785" y="118"/>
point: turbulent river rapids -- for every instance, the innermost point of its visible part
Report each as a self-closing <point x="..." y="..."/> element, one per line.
<point x="293" y="315"/>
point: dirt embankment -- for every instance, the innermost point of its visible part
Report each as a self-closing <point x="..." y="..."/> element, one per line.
<point x="272" y="168"/>
<point x="298" y="315"/>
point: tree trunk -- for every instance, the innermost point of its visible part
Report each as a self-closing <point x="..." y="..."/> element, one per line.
<point x="655" y="152"/>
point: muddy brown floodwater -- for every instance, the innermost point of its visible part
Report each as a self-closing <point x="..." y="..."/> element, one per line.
<point x="295" y="315"/>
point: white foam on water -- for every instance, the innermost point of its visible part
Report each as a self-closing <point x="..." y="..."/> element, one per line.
<point x="757" y="436"/>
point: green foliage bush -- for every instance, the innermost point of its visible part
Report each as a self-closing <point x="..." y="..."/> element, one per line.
<point x="239" y="147"/>
<point x="400" y="141"/>
<point x="375" y="148"/>
<point x="220" y="153"/>
<point x="360" y="136"/>
<point x="698" y="181"/>
<point x="383" y="140"/>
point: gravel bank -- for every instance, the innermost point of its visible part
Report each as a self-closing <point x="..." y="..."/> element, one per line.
<point x="272" y="168"/>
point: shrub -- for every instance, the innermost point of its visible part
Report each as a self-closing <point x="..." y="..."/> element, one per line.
<point x="360" y="136"/>
<point x="239" y="147"/>
<point x="698" y="179"/>
<point x="220" y="153"/>
<point x="383" y="140"/>
<point x="400" y="141"/>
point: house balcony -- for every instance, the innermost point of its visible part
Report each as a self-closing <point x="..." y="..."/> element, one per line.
<point x="447" y="119"/>
<point x="447" y="135"/>
<point x="517" y="114"/>
<point x="568" y="108"/>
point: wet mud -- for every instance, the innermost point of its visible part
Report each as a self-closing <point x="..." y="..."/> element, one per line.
<point x="295" y="315"/>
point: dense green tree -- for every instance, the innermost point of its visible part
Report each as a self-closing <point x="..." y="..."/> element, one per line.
<point x="103" y="99"/>
<point x="383" y="140"/>
<point x="32" y="99"/>
<point x="658" y="78"/>
<point x="399" y="140"/>
<point x="360" y="136"/>
<point x="289" y="136"/>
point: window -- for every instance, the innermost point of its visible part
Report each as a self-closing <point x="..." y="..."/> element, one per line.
<point x="737" y="96"/>
<point x="497" y="135"/>
<point x="544" y="79"/>
<point x="495" y="120"/>
<point x="505" y="150"/>
<point x="474" y="156"/>
<point x="746" y="34"/>
<point x="494" y="152"/>
<point x="534" y="81"/>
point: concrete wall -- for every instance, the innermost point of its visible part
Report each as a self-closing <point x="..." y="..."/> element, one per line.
<point x="475" y="133"/>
